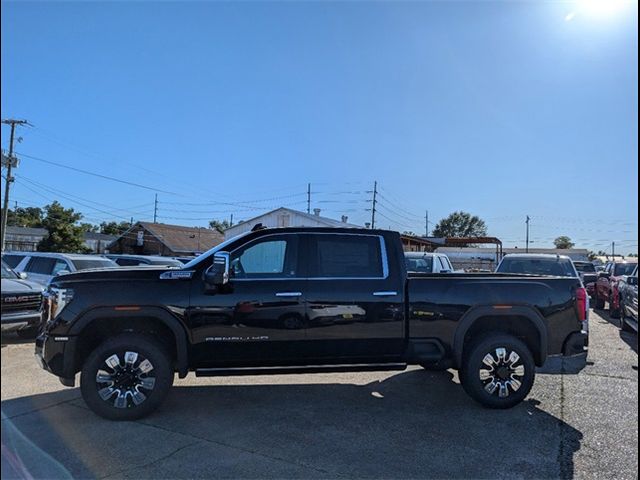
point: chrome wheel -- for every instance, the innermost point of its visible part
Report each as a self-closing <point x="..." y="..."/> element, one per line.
<point x="128" y="383"/>
<point x="501" y="372"/>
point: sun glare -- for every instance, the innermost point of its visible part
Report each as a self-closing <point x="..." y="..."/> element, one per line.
<point x="598" y="8"/>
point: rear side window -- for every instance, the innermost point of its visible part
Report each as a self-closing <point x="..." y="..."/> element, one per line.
<point x="537" y="266"/>
<point x="41" y="265"/>
<point x="86" y="264"/>
<point x="346" y="256"/>
<point x="12" y="260"/>
<point x="422" y="265"/>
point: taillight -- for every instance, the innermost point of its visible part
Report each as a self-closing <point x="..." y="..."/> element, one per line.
<point x="581" y="303"/>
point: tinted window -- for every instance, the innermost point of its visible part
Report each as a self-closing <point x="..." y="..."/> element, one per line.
<point x="12" y="260"/>
<point x="624" y="269"/>
<point x="346" y="256"/>
<point x="443" y="264"/>
<point x="85" y="264"/>
<point x="41" y="265"/>
<point x="423" y="265"/>
<point x="271" y="257"/>
<point x="537" y="266"/>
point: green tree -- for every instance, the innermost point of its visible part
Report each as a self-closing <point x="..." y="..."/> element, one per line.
<point x="563" y="242"/>
<point x="460" y="224"/>
<point x="89" y="227"/>
<point x="633" y="255"/>
<point x="65" y="235"/>
<point x="114" y="228"/>
<point x="220" y="226"/>
<point x="25" y="217"/>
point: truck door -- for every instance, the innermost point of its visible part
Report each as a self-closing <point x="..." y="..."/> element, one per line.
<point x="354" y="302"/>
<point x="259" y="315"/>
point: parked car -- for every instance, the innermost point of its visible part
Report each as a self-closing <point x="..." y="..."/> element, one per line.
<point x="42" y="267"/>
<point x="128" y="330"/>
<point x="588" y="275"/>
<point x="22" y="303"/>
<point x="135" y="260"/>
<point x="628" y="287"/>
<point x="538" y="264"/>
<point x="425" y="262"/>
<point x="607" y="284"/>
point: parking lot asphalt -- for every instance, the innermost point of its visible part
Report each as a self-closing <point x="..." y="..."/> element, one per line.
<point x="412" y="424"/>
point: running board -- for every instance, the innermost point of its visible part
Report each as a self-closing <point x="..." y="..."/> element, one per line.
<point x="362" y="367"/>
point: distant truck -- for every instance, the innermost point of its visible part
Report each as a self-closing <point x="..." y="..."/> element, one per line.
<point x="426" y="262"/>
<point x="294" y="300"/>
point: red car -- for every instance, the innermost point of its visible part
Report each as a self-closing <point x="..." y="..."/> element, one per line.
<point x="607" y="284"/>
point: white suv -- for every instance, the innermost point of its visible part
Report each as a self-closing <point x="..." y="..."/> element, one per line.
<point x="42" y="267"/>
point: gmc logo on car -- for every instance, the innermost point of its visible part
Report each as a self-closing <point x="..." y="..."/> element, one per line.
<point x="24" y="298"/>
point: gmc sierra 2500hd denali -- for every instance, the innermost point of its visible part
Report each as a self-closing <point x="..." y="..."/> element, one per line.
<point x="294" y="300"/>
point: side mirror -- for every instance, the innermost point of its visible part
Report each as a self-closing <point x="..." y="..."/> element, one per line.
<point x="632" y="281"/>
<point x="23" y="275"/>
<point x="218" y="273"/>
<point x="63" y="272"/>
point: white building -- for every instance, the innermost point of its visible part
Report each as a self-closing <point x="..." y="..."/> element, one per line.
<point x="286" y="217"/>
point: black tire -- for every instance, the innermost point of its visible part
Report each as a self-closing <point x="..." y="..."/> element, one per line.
<point x="599" y="303"/>
<point x="514" y="376"/>
<point x="134" y="378"/>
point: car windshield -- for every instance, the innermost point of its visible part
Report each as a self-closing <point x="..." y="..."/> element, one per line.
<point x="537" y="266"/>
<point x="86" y="264"/>
<point x="424" y="264"/>
<point x="624" y="269"/>
<point x="584" y="267"/>
<point x="7" y="272"/>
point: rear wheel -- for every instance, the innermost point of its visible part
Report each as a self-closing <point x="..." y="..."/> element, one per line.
<point x="127" y="377"/>
<point x="498" y="371"/>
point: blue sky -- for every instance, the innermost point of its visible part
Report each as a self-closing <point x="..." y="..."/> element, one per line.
<point x="502" y="109"/>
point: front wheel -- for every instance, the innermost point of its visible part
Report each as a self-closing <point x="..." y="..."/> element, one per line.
<point x="498" y="371"/>
<point x="126" y="377"/>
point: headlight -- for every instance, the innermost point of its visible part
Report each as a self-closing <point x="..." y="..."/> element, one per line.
<point x="58" y="298"/>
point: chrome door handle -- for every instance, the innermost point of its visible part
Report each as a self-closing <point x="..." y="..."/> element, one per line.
<point x="384" y="294"/>
<point x="289" y="294"/>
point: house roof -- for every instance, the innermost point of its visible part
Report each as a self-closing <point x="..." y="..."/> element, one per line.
<point x="329" y="222"/>
<point x="178" y="238"/>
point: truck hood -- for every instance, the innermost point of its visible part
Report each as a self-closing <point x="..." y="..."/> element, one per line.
<point x="114" y="274"/>
<point x="18" y="286"/>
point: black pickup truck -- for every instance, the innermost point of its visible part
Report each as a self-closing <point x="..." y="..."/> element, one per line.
<point x="295" y="300"/>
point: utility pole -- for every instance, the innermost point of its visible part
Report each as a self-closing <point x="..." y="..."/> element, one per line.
<point x="308" y="198"/>
<point x="613" y="250"/>
<point x="426" y="224"/>
<point x="10" y="161"/>
<point x="527" y="241"/>
<point x="373" y="205"/>
<point x="155" y="210"/>
<point x="231" y="221"/>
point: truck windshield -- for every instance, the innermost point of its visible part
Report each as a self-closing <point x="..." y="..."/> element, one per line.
<point x="537" y="266"/>
<point x="7" y="272"/>
<point x="624" y="269"/>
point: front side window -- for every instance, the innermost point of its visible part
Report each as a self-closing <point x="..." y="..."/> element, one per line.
<point x="274" y="257"/>
<point x="60" y="266"/>
<point x="346" y="256"/>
